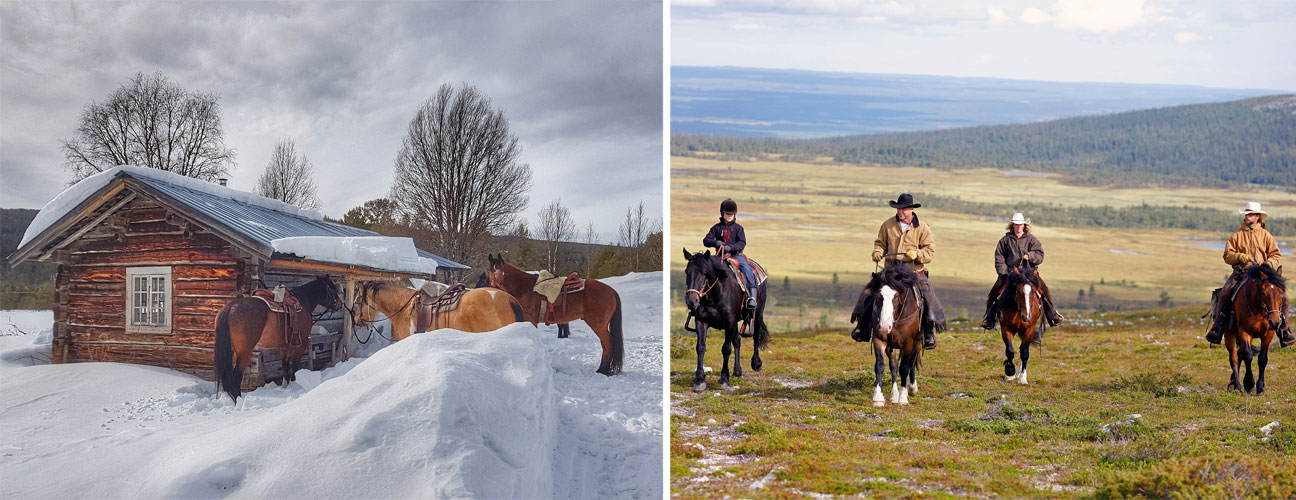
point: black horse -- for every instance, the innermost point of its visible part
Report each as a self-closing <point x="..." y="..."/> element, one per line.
<point x="714" y="298"/>
<point x="483" y="281"/>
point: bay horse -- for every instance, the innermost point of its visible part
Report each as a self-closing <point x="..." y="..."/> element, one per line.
<point x="598" y="305"/>
<point x="479" y="310"/>
<point x="889" y="312"/>
<point x="247" y="322"/>
<point x="1257" y="314"/>
<point x="564" y="329"/>
<point x="1020" y="308"/>
<point x="714" y="298"/>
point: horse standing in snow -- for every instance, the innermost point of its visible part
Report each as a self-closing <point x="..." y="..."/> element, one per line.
<point x="246" y="322"/>
<point x="596" y="303"/>
<point x="474" y="310"/>
<point x="564" y="329"/>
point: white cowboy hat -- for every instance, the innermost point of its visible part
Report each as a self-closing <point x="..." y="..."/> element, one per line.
<point x="1018" y="218"/>
<point x="1253" y="207"/>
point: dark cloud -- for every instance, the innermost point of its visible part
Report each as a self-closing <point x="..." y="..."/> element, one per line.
<point x="581" y="83"/>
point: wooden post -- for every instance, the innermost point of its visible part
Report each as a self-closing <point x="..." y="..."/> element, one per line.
<point x="348" y="329"/>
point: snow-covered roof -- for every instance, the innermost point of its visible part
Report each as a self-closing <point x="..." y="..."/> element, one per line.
<point x="257" y="220"/>
<point x="380" y="252"/>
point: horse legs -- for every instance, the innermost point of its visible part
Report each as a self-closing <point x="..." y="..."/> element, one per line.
<point x="906" y="366"/>
<point x="564" y="330"/>
<point x="1244" y="352"/>
<point x="1231" y="344"/>
<point x="893" y="362"/>
<point x="1025" y="356"/>
<point x="878" y="363"/>
<point x="727" y="349"/>
<point x="1263" y="360"/>
<point x="1010" y="371"/>
<point x="699" y="377"/>
<point x="913" y="376"/>
<point x="737" y="366"/>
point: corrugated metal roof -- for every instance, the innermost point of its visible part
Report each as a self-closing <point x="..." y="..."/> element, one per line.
<point x="263" y="224"/>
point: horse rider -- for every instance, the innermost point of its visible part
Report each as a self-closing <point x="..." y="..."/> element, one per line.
<point x="1250" y="245"/>
<point x="908" y="239"/>
<point x="1017" y="249"/>
<point x="728" y="237"/>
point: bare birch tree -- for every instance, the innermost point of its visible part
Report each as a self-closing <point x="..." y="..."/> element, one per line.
<point x="458" y="173"/>
<point x="289" y="177"/>
<point x="634" y="231"/>
<point x="556" y="226"/>
<point x="151" y="122"/>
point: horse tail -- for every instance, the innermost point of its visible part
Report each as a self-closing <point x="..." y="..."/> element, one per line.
<point x="761" y="333"/>
<point x="227" y="376"/>
<point x="614" y="326"/>
<point x="518" y="316"/>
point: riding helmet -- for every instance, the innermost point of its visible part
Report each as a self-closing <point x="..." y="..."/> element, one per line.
<point x="728" y="206"/>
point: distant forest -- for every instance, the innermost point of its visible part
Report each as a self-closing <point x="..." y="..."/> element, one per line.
<point x="29" y="285"/>
<point x="1216" y="145"/>
<point x="1134" y="217"/>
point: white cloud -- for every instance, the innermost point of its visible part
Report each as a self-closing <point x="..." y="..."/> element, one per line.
<point x="1186" y="37"/>
<point x="693" y="3"/>
<point x="996" y="16"/>
<point x="1098" y="15"/>
<point x="1031" y="15"/>
<point x="748" y="26"/>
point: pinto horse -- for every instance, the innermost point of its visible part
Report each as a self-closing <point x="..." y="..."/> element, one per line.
<point x="479" y="310"/>
<point x="1019" y="315"/>
<point x="890" y="312"/>
<point x="598" y="305"/>
<point x="1257" y="313"/>
<point x="247" y="322"/>
<point x="714" y="298"/>
<point x="564" y="329"/>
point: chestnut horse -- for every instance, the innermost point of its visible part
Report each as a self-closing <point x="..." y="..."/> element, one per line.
<point x="890" y="312"/>
<point x="598" y="305"/>
<point x="247" y="322"/>
<point x="1019" y="315"/>
<point x="564" y="329"/>
<point x="479" y="310"/>
<point x="714" y="297"/>
<point x="1257" y="314"/>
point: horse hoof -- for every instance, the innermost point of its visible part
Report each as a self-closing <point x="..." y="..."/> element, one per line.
<point x="699" y="387"/>
<point x="1010" y="378"/>
<point x="727" y="387"/>
<point x="756" y="365"/>
<point x="879" y="404"/>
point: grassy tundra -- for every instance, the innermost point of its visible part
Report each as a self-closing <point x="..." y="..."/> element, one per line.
<point x="1120" y="404"/>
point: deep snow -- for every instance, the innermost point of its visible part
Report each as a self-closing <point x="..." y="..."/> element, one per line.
<point x="513" y="413"/>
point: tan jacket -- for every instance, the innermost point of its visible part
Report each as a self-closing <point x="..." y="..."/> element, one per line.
<point x="1255" y="241"/>
<point x="919" y="237"/>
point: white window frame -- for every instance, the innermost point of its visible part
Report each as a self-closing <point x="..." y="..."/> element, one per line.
<point x="148" y="273"/>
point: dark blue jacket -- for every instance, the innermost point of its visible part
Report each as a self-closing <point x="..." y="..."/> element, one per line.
<point x="730" y="235"/>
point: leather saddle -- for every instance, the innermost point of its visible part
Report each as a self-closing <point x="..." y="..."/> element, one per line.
<point x="757" y="270"/>
<point x="429" y="309"/>
<point x="549" y="308"/>
<point x="280" y="301"/>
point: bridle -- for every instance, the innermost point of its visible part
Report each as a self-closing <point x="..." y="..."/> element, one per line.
<point x="1263" y="303"/>
<point x="706" y="288"/>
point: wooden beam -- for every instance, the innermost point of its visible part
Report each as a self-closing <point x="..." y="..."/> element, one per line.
<point x="348" y="328"/>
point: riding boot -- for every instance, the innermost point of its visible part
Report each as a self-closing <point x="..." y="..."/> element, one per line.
<point x="1051" y="315"/>
<point x="751" y="302"/>
<point x="1285" y="337"/>
<point x="929" y="336"/>
<point x="988" y="322"/>
<point x="1216" y="332"/>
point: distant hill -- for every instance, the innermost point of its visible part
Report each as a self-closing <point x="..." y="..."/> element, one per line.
<point x="29" y="285"/>
<point x="1217" y="144"/>
<point x="805" y="104"/>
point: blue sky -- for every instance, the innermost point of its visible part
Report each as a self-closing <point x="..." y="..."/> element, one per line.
<point x="1245" y="44"/>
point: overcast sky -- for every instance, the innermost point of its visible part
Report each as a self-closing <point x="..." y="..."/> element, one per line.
<point x="1244" y="44"/>
<point x="580" y="82"/>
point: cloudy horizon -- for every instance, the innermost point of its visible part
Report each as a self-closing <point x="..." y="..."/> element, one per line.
<point x="1176" y="42"/>
<point x="580" y="83"/>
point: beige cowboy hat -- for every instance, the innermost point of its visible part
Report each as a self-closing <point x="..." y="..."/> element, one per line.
<point x="1018" y="218"/>
<point x="1253" y="207"/>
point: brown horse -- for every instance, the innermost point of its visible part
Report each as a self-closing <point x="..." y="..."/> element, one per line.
<point x="1257" y="313"/>
<point x="890" y="311"/>
<point x="598" y="305"/>
<point x="247" y="322"/>
<point x="479" y="310"/>
<point x="1019" y="315"/>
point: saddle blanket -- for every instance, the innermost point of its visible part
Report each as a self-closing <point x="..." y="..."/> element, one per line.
<point x="551" y="287"/>
<point x="286" y="303"/>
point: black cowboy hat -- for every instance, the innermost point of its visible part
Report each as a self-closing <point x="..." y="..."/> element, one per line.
<point x="905" y="201"/>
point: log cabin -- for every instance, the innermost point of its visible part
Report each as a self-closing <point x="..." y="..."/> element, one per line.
<point x="146" y="259"/>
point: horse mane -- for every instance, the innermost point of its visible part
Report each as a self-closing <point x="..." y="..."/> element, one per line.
<point x="1028" y="277"/>
<point x="1266" y="274"/>
<point x="899" y="277"/>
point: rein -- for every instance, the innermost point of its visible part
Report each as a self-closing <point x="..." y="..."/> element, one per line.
<point x="705" y="289"/>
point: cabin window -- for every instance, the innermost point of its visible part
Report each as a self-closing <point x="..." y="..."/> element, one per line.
<point x="148" y="299"/>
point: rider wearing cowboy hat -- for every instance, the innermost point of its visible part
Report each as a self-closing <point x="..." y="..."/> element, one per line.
<point x="1250" y="245"/>
<point x="1018" y="248"/>
<point x="727" y="236"/>
<point x="909" y="240"/>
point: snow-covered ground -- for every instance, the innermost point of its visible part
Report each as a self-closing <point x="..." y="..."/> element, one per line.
<point x="515" y="413"/>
